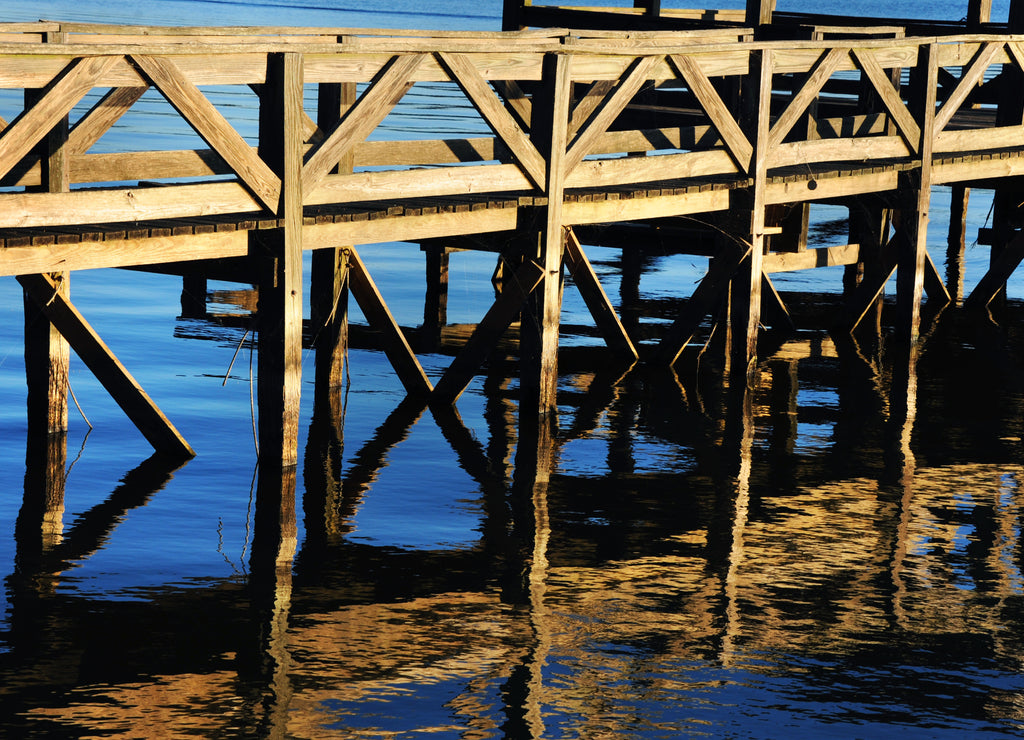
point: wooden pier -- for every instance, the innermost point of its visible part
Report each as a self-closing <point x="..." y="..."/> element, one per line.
<point x="714" y="139"/>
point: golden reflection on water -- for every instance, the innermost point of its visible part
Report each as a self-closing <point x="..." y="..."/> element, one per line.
<point x="750" y="588"/>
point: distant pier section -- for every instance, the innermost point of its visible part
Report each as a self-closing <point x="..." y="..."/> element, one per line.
<point x="704" y="132"/>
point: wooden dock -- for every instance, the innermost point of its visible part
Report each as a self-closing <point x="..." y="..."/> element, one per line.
<point x="598" y="137"/>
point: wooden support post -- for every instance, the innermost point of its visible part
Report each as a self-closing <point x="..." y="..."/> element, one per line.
<point x="759" y="12"/>
<point x="512" y="14"/>
<point x="105" y="366"/>
<point x="746" y="292"/>
<point x="540" y="325"/>
<point x="956" y="241"/>
<point x="978" y="13"/>
<point x="435" y="304"/>
<point x="652" y="8"/>
<point x="910" y="272"/>
<point x="279" y="317"/>
<point x="193" y="296"/>
<point x="47" y="356"/>
<point x="328" y="282"/>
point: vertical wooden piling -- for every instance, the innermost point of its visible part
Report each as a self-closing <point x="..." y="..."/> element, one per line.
<point x="47" y="355"/>
<point x="435" y="305"/>
<point x="540" y="324"/>
<point x="745" y="295"/>
<point x="280" y="253"/>
<point x="956" y="242"/>
<point x="916" y="200"/>
<point x="328" y="284"/>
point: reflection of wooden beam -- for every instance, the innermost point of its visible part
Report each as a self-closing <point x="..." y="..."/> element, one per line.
<point x="92" y="528"/>
<point x="118" y="382"/>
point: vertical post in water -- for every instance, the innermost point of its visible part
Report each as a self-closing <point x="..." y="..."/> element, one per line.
<point x="745" y="309"/>
<point x="956" y="242"/>
<point x="917" y="199"/>
<point x="280" y="254"/>
<point x="47" y="355"/>
<point x="1006" y="209"/>
<point x="328" y="285"/>
<point x="539" y="344"/>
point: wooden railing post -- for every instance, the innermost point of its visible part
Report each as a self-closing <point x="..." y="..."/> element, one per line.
<point x="978" y="13"/>
<point x="759" y="12"/>
<point x="745" y="293"/>
<point x="47" y="355"/>
<point x="539" y="346"/>
<point x="512" y="14"/>
<point x="652" y="8"/>
<point x="279" y="251"/>
<point x="916" y="200"/>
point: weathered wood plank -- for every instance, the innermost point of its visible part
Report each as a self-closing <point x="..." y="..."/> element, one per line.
<point x="214" y="129"/>
<point x="29" y="129"/>
<point x="845" y="254"/>
<point x="607" y="111"/>
<point x="29" y="210"/>
<point x="721" y="117"/>
<point x="498" y="118"/>
<point x="969" y="80"/>
<point x="590" y="288"/>
<point x="362" y="118"/>
<point x="114" y="377"/>
<point x="396" y="347"/>
<point x="91" y="254"/>
<point x="845" y="150"/>
<point x="90" y="127"/>
<point x="676" y="204"/>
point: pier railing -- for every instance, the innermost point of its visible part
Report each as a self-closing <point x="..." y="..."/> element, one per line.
<point x="575" y="129"/>
<point x="822" y="105"/>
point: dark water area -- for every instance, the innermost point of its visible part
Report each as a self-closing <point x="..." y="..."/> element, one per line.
<point x="835" y="552"/>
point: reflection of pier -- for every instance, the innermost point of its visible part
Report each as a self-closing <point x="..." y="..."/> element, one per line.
<point x="686" y="516"/>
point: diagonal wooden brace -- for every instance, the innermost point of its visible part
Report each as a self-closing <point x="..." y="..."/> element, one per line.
<point x="396" y="347"/>
<point x="488" y="332"/>
<point x="601" y="309"/>
<point x="998" y="273"/>
<point x="118" y="382"/>
<point x="700" y="304"/>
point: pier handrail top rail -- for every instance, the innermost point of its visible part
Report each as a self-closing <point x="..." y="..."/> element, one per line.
<point x="610" y="44"/>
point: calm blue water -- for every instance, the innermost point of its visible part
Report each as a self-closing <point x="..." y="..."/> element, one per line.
<point x="827" y="566"/>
